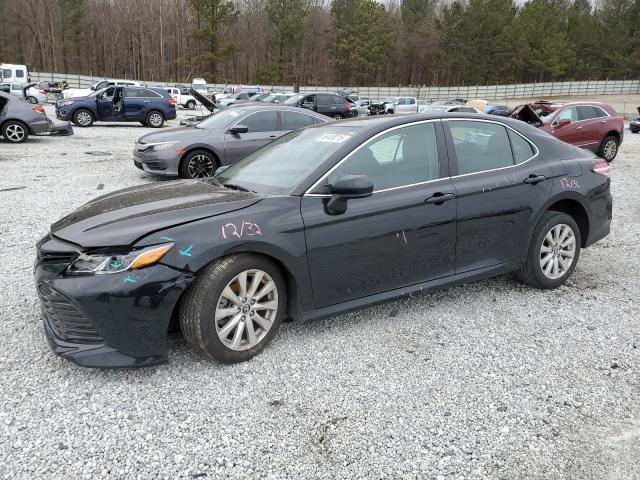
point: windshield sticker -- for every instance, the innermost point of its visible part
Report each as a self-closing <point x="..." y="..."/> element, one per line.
<point x="334" y="137"/>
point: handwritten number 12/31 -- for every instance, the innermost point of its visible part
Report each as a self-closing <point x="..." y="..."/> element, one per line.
<point x="249" y="229"/>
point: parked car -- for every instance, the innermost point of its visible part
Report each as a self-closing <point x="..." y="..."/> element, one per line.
<point x="200" y="85"/>
<point x="359" y="108"/>
<point x="149" y="106"/>
<point x="403" y="105"/>
<point x="277" y="97"/>
<point x="591" y="125"/>
<point x="324" y="220"/>
<point x="222" y="139"/>
<point x="329" y="104"/>
<point x="239" y="97"/>
<point x="209" y="105"/>
<point x="226" y="92"/>
<point x="438" y="108"/>
<point x="182" y="97"/>
<point x="25" y="91"/>
<point x="19" y="119"/>
<point x="500" y="110"/>
<point x="634" y="125"/>
<point x="96" y="86"/>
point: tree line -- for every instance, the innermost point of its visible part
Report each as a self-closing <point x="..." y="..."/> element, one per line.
<point x="326" y="42"/>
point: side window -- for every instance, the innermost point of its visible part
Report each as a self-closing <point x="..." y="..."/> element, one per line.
<point x="6" y="73"/>
<point x="150" y="93"/>
<point x="294" y="121"/>
<point x="19" y="73"/>
<point x="402" y="101"/>
<point x="480" y="146"/>
<point x="261" y="122"/>
<point x="131" y="93"/>
<point x="338" y="100"/>
<point x="568" y="113"/>
<point x="324" y="100"/>
<point x="412" y="101"/>
<point x="522" y="150"/>
<point x="309" y="99"/>
<point x="403" y="156"/>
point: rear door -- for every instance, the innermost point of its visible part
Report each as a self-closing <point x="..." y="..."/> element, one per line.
<point x="594" y="124"/>
<point x="296" y="120"/>
<point x="394" y="238"/>
<point x="137" y="102"/>
<point x="501" y="183"/>
<point x="263" y="127"/>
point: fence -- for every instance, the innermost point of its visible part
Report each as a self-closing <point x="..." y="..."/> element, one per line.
<point x="490" y="92"/>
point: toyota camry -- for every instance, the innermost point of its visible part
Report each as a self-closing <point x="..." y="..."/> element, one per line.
<point x="324" y="220"/>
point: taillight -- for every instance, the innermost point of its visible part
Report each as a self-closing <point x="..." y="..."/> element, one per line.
<point x="172" y="101"/>
<point x="39" y="109"/>
<point x="42" y="92"/>
<point x="602" y="168"/>
<point x="349" y="106"/>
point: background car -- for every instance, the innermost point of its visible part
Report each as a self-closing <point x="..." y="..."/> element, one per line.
<point x="31" y="93"/>
<point x="221" y="139"/>
<point x="439" y="108"/>
<point x="591" y="125"/>
<point x="277" y="97"/>
<point x="149" y="106"/>
<point x="634" y="125"/>
<point x="182" y="97"/>
<point x="332" y="105"/>
<point x="19" y="119"/>
<point x="500" y="110"/>
<point x="239" y="97"/>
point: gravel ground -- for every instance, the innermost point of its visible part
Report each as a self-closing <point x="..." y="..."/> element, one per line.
<point x="490" y="380"/>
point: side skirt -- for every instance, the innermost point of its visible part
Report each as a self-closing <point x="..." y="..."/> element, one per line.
<point x="425" y="287"/>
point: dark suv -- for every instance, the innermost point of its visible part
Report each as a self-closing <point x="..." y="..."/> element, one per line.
<point x="149" y="106"/>
<point x="330" y="104"/>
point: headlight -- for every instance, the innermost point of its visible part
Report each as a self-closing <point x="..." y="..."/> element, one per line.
<point x="161" y="145"/>
<point x="65" y="103"/>
<point x="104" y="263"/>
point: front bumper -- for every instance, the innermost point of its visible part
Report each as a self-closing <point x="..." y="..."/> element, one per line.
<point x="165" y="162"/>
<point x="107" y="321"/>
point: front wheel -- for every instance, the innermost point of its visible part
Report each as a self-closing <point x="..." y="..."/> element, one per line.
<point x="198" y="164"/>
<point x="553" y="251"/>
<point x="154" y="119"/>
<point x="609" y="148"/>
<point x="235" y="308"/>
<point x="14" y="131"/>
<point x="83" y="118"/>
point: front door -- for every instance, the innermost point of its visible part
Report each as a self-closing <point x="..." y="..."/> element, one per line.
<point x="494" y="169"/>
<point x="263" y="127"/>
<point x="105" y="104"/>
<point x="399" y="236"/>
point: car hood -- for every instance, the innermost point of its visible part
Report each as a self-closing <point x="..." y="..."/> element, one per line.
<point x="206" y="103"/>
<point x="76" y="99"/>
<point x="122" y="217"/>
<point x="179" y="134"/>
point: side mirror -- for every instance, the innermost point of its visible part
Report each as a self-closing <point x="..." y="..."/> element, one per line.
<point x="563" y="122"/>
<point x="348" y="187"/>
<point x="237" y="129"/>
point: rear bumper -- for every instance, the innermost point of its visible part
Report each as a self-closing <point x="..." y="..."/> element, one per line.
<point x="41" y="126"/>
<point x="601" y="216"/>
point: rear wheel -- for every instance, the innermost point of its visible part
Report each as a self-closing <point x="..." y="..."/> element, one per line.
<point x="154" y="119"/>
<point x="33" y="100"/>
<point x="337" y="116"/>
<point x="609" y="148"/>
<point x="553" y="251"/>
<point x="191" y="104"/>
<point x="235" y="308"/>
<point x="198" y="164"/>
<point x="83" y="118"/>
<point x="14" y="131"/>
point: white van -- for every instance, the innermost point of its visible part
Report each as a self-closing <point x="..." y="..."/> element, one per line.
<point x="10" y="73"/>
<point x="199" y="85"/>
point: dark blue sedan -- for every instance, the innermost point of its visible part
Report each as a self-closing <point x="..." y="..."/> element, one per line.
<point x="149" y="106"/>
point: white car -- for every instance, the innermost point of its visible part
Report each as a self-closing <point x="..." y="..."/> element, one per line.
<point x="182" y="97"/>
<point x="33" y="94"/>
<point x="83" y="92"/>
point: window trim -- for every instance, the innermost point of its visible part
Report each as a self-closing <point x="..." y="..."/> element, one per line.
<point x="362" y="145"/>
<point x="560" y="110"/>
<point x="455" y="159"/>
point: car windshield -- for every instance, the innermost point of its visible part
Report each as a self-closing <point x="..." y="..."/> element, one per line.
<point x="280" y="166"/>
<point x="545" y="116"/>
<point x="220" y="119"/>
<point x="267" y="99"/>
<point x="293" y="100"/>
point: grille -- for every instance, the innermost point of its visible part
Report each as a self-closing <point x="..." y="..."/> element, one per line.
<point x="66" y="321"/>
<point x="56" y="261"/>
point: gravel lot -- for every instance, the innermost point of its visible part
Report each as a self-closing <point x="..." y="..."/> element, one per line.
<point x="489" y="380"/>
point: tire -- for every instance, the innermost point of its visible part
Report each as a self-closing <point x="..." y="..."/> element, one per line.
<point x="191" y="105"/>
<point x="355" y="114"/>
<point x="390" y="112"/>
<point x="198" y="164"/>
<point x="15" y="131"/>
<point x="337" y="116"/>
<point x="83" y="118"/>
<point x="154" y="119"/>
<point x="208" y="296"/>
<point x="32" y="100"/>
<point x="532" y="271"/>
<point x="609" y="148"/>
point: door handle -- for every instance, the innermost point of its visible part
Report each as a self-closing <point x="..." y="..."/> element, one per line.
<point x="603" y="121"/>
<point x="146" y="101"/>
<point x="439" y="198"/>
<point x="578" y="128"/>
<point x="533" y="179"/>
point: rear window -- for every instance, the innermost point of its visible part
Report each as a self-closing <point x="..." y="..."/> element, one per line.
<point x="522" y="150"/>
<point x="586" y="112"/>
<point x="480" y="146"/>
<point x="294" y="120"/>
<point x="140" y="93"/>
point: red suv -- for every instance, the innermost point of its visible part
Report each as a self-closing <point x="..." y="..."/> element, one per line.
<point x="591" y="125"/>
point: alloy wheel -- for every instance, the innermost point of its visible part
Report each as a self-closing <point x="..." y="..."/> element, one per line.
<point x="83" y="118"/>
<point x="15" y="132"/>
<point x="246" y="310"/>
<point x="610" y="149"/>
<point x="155" y="119"/>
<point x="200" y="166"/>
<point x="557" y="251"/>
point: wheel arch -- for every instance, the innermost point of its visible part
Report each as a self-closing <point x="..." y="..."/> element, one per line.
<point x="192" y="148"/>
<point x="577" y="210"/>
